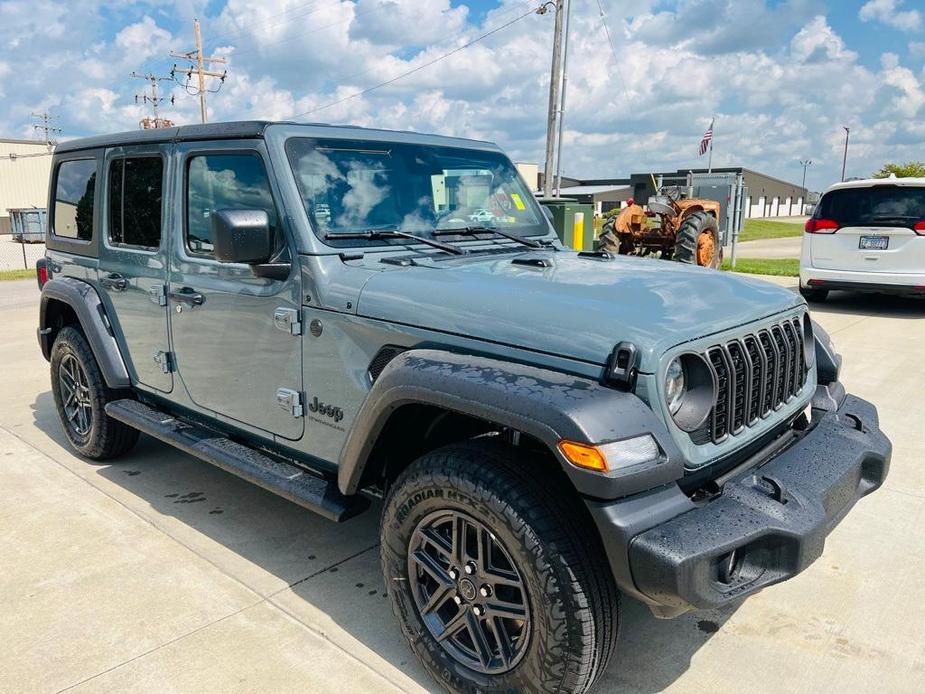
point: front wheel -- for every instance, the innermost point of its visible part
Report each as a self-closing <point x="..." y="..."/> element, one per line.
<point x="697" y="242"/>
<point x="497" y="582"/>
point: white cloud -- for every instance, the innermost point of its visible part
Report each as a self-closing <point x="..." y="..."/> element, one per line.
<point x="888" y="12"/>
<point x="144" y="39"/>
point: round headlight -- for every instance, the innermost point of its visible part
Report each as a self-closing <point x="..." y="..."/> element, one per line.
<point x="674" y="385"/>
<point x="690" y="390"/>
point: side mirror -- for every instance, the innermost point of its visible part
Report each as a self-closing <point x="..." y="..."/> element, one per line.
<point x="241" y="236"/>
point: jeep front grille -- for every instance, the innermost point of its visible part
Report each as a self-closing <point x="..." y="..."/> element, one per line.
<point x="756" y="374"/>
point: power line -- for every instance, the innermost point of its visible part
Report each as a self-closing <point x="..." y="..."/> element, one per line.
<point x="419" y="67"/>
<point x="198" y="64"/>
<point x="613" y="52"/>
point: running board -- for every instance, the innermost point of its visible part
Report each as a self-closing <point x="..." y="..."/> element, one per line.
<point x="286" y="480"/>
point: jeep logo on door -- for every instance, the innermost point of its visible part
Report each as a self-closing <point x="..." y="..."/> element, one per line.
<point x="334" y="413"/>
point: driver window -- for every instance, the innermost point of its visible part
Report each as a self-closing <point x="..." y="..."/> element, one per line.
<point x="226" y="182"/>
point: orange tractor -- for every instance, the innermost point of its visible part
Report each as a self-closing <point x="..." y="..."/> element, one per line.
<point x="686" y="231"/>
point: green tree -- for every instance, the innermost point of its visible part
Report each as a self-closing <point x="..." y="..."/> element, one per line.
<point x="906" y="170"/>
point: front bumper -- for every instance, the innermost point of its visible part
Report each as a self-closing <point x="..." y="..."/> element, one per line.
<point x="768" y="524"/>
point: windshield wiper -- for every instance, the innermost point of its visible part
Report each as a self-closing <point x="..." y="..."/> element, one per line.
<point x="470" y="230"/>
<point x="375" y="234"/>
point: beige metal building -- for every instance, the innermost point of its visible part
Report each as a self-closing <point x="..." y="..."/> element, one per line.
<point x="24" y="169"/>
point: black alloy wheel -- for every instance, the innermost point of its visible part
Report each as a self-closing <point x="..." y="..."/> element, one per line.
<point x="469" y="592"/>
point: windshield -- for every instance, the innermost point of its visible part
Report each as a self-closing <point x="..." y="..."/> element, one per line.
<point x="880" y="204"/>
<point x="360" y="185"/>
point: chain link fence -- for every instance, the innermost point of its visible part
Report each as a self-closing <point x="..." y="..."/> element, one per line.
<point x="15" y="255"/>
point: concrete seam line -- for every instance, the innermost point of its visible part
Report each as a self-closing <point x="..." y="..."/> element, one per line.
<point x="135" y="513"/>
<point x="321" y="571"/>
<point x="160" y="646"/>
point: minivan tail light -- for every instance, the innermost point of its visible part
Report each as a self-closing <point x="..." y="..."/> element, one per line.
<point x="820" y="226"/>
<point x="919" y="228"/>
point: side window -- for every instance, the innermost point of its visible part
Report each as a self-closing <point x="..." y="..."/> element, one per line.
<point x="74" y="187"/>
<point x="225" y="182"/>
<point x="135" y="196"/>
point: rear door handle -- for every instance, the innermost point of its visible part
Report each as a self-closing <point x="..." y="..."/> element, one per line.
<point x="187" y="295"/>
<point x="115" y="282"/>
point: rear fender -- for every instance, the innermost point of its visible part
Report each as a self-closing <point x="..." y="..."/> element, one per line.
<point x="83" y="300"/>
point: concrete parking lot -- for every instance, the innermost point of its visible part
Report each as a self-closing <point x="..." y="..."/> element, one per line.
<point x="158" y="573"/>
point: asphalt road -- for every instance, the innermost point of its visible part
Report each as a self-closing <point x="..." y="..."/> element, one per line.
<point x="158" y="573"/>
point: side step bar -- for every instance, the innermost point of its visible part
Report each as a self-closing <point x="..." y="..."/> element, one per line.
<point x="289" y="481"/>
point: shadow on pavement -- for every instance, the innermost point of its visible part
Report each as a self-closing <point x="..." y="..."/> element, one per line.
<point x="304" y="563"/>
<point x="869" y="304"/>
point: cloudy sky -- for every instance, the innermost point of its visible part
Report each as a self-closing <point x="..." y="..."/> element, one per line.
<point x="781" y="76"/>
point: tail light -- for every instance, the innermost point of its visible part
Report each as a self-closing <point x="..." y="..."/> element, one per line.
<point x="41" y="271"/>
<point x="919" y="228"/>
<point x="820" y="226"/>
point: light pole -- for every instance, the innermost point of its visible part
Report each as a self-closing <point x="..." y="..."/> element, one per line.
<point x="555" y="84"/>
<point x="805" y="165"/>
<point x="844" y="160"/>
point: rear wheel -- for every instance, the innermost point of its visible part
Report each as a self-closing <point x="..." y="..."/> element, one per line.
<point x="81" y="394"/>
<point x="811" y="294"/>
<point x="497" y="583"/>
<point x="697" y="242"/>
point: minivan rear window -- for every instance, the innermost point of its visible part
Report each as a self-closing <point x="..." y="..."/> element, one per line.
<point x="887" y="205"/>
<point x="74" y="189"/>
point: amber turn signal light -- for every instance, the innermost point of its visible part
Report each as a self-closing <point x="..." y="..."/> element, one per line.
<point x="582" y="455"/>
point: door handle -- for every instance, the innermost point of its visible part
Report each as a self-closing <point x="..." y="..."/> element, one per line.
<point x="187" y="295"/>
<point x="115" y="282"/>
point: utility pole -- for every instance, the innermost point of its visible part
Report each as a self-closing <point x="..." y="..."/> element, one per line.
<point x="154" y="100"/>
<point x="198" y="64"/>
<point x="45" y="125"/>
<point x="554" y="102"/>
<point x="844" y="160"/>
<point x="568" y="24"/>
<point x="805" y="165"/>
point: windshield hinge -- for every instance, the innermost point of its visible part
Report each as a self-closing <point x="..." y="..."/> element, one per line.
<point x="287" y="320"/>
<point x="291" y="401"/>
<point x="164" y="360"/>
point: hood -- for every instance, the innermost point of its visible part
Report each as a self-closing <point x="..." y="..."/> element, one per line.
<point x="577" y="307"/>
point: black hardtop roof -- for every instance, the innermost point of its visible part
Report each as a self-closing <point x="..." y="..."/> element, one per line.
<point x="199" y="131"/>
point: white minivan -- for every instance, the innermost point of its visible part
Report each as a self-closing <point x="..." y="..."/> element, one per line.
<point x="866" y="235"/>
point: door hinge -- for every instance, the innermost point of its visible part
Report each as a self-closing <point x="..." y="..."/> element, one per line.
<point x="164" y="360"/>
<point x="158" y="294"/>
<point x="287" y="320"/>
<point x="291" y="401"/>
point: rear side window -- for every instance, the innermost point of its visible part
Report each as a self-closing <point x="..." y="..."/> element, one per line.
<point x="884" y="204"/>
<point x="224" y="182"/>
<point x="74" y="188"/>
<point x="135" y="197"/>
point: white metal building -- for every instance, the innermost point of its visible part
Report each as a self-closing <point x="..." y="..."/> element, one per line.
<point x="23" y="176"/>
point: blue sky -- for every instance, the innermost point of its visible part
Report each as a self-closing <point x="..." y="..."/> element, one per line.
<point x="781" y="76"/>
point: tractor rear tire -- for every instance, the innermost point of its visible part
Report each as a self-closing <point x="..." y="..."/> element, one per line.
<point x="697" y="242"/>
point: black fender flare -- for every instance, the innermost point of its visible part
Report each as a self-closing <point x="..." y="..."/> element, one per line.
<point x="86" y="304"/>
<point x="548" y="405"/>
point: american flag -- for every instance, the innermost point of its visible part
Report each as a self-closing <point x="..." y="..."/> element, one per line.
<point x="707" y="138"/>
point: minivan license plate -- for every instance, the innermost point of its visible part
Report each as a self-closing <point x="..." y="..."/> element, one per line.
<point x="874" y="243"/>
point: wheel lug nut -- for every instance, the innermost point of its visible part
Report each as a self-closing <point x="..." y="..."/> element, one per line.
<point x="457" y="600"/>
<point x="454" y="574"/>
<point x="478" y="611"/>
<point x="470" y="568"/>
<point x="485" y="591"/>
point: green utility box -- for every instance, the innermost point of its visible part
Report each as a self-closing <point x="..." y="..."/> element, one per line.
<point x="573" y="222"/>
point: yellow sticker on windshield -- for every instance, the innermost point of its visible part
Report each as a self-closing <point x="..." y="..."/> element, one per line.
<point x="518" y="203"/>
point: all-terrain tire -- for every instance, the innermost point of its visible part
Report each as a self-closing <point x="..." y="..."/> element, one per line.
<point x="686" y="242"/>
<point x="105" y="437"/>
<point x="813" y="294"/>
<point x="549" y="537"/>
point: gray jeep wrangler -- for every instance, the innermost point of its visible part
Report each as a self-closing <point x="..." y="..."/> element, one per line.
<point x="338" y="314"/>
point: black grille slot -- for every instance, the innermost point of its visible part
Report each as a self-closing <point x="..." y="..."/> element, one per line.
<point x="755" y="375"/>
<point x="381" y="360"/>
<point x="719" y="416"/>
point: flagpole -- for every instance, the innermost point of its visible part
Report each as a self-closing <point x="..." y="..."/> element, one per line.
<point x="712" y="135"/>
